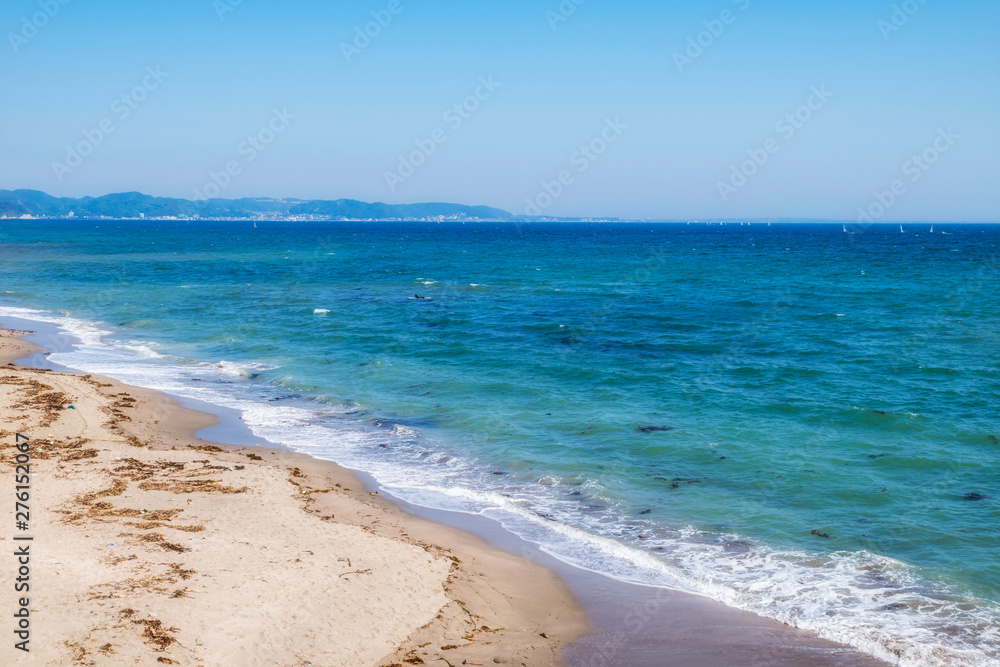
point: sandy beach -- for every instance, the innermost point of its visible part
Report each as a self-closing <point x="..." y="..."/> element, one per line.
<point x="151" y="546"/>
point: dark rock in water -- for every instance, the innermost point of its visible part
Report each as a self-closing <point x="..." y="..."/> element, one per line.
<point x="975" y="496"/>
<point x="651" y="429"/>
<point x="677" y="481"/>
<point x="819" y="534"/>
<point x="993" y="439"/>
<point x="895" y="606"/>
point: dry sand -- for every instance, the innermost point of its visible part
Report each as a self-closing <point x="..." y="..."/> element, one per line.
<point x="153" y="547"/>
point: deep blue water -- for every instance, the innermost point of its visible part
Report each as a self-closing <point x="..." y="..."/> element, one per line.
<point x="799" y="379"/>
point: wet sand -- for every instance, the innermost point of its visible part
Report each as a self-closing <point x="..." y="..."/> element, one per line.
<point x="154" y="547"/>
<point x="486" y="596"/>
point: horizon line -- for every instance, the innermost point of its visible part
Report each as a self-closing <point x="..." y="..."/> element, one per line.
<point x="608" y="219"/>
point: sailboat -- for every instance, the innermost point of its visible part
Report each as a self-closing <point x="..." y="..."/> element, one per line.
<point x="845" y="228"/>
<point x="901" y="229"/>
<point x="932" y="229"/>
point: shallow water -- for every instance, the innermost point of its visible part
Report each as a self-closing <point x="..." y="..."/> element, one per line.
<point x="798" y="379"/>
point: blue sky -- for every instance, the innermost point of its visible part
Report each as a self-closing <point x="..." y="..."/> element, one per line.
<point x="684" y="116"/>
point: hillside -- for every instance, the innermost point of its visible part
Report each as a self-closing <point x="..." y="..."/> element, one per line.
<point x="19" y="203"/>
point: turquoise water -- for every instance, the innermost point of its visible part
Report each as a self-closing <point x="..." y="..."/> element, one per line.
<point x="797" y="378"/>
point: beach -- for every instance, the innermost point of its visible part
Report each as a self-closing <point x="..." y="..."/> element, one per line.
<point x="157" y="547"/>
<point x="151" y="546"/>
<point x="703" y="466"/>
<point x="570" y="334"/>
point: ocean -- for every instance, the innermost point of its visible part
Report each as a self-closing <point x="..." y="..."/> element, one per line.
<point x="789" y="418"/>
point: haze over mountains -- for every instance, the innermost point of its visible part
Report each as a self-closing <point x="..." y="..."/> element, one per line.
<point x="134" y="205"/>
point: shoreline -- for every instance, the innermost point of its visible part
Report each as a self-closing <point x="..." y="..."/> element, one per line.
<point x="352" y="579"/>
<point x="629" y="624"/>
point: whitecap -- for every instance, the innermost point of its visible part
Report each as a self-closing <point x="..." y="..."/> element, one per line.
<point x="874" y="603"/>
<point x="245" y="370"/>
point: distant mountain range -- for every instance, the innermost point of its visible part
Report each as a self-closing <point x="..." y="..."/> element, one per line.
<point x="134" y="205"/>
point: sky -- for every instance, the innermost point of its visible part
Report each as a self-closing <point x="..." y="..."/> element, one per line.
<point x="579" y="108"/>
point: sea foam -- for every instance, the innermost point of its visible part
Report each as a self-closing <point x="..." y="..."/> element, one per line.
<point x="872" y="602"/>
